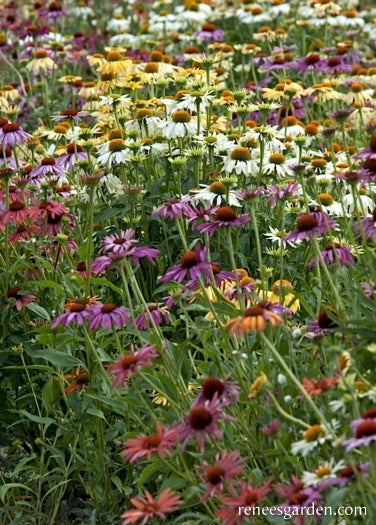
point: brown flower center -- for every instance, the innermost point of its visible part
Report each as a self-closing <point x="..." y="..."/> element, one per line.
<point x="297" y="498"/>
<point x="151" y="442"/>
<point x="211" y="386"/>
<point x="108" y="308"/>
<point x="199" y="418"/>
<point x="366" y="429"/>
<point x="240" y="153"/>
<point x="370" y="414"/>
<point x="181" y="116"/>
<point x="215" y="475"/>
<point x="10" y="128"/>
<point x="128" y="361"/>
<point x="306" y="222"/>
<point x="48" y="161"/>
<point x="189" y="259"/>
<point x="16" y="206"/>
<point x="13" y="292"/>
<point x="225" y="214"/>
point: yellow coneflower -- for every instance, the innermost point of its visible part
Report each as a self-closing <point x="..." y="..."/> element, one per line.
<point x="115" y="64"/>
<point x="257" y="385"/>
<point x="282" y="293"/>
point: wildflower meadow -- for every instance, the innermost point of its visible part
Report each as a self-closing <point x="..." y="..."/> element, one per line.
<point x="187" y="262"/>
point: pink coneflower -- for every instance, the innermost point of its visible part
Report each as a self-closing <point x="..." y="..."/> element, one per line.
<point x="53" y="11"/>
<point x="196" y="215"/>
<point x="201" y="423"/>
<point x="369" y="152"/>
<point x="12" y="135"/>
<point x="227" y="465"/>
<point x="130" y="363"/>
<point x="160" y="443"/>
<point x="277" y="193"/>
<point x="309" y="225"/>
<point x="173" y="208"/>
<point x="49" y="215"/>
<point x="364" y="431"/>
<point x="245" y="288"/>
<point x="192" y="264"/>
<point x="120" y="243"/>
<point x="108" y="316"/>
<point x="224" y="217"/>
<point x="19" y="300"/>
<point x="249" y="496"/>
<point x="300" y="500"/>
<point x="213" y="388"/>
<point x="148" y="508"/>
<point x="155" y="313"/>
<point x="77" y="312"/>
<point x="270" y="429"/>
<point x="17" y="213"/>
<point x="68" y="160"/>
<point x="23" y="232"/>
<point x="6" y="157"/>
<point x="367" y="227"/>
<point x="335" y="255"/>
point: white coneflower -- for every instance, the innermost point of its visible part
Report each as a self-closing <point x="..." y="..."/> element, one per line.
<point x="217" y="194"/>
<point x="325" y="471"/>
<point x="240" y="161"/>
<point x="359" y="201"/>
<point x="41" y="63"/>
<point x="312" y="437"/>
<point x="180" y="125"/>
<point x="113" y="152"/>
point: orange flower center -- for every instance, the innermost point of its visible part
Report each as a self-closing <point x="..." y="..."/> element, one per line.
<point x="128" y="361"/>
<point x="313" y="433"/>
<point x="189" y="259"/>
<point x="212" y="386"/>
<point x="366" y="429"/>
<point x="151" y="442"/>
<point x="215" y="475"/>
<point x="225" y="214"/>
<point x="108" y="308"/>
<point x="306" y="222"/>
<point x="16" y="206"/>
<point x="240" y="153"/>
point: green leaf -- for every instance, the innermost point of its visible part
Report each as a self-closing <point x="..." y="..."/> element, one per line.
<point x="38" y="310"/>
<point x="8" y="486"/>
<point x="59" y="359"/>
<point x="51" y="394"/>
<point x="47" y="421"/>
<point x="146" y="474"/>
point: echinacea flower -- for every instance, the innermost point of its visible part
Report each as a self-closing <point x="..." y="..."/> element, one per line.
<point x="192" y="264"/>
<point x="148" y="508"/>
<point x="77" y="381"/>
<point x="77" y="311"/>
<point x="179" y="125"/>
<point x="216" y="194"/>
<point x="130" y="363"/>
<point x="239" y="161"/>
<point x="12" y="134"/>
<point x="173" y="208"/>
<point x="226" y="466"/>
<point x="309" y="225"/>
<point x="17" y="213"/>
<point x="19" y="299"/>
<point x="155" y="314"/>
<point x="249" y="496"/>
<point x="108" y="316"/>
<point x="202" y="423"/>
<point x="224" y="391"/>
<point x="367" y="227"/>
<point x="74" y="153"/>
<point x="324" y="323"/>
<point x="41" y="63"/>
<point x="160" y="443"/>
<point x="335" y="255"/>
<point x="313" y="437"/>
<point x="119" y="243"/>
<point x="364" y="431"/>
<point x="256" y="318"/>
<point x="224" y="217"/>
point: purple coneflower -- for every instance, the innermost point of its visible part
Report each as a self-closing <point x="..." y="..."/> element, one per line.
<point x="364" y="430"/>
<point x="276" y="193"/>
<point x="322" y="325"/>
<point x="120" y="243"/>
<point x="201" y="423"/>
<point x="47" y="168"/>
<point x="108" y="316"/>
<point x="213" y="388"/>
<point x="335" y="255"/>
<point x="160" y="443"/>
<point x="156" y="313"/>
<point x="17" y="213"/>
<point x="130" y="363"/>
<point x="72" y="114"/>
<point x="309" y="225"/>
<point x="191" y="264"/>
<point x="68" y="160"/>
<point x="77" y="311"/>
<point x="224" y="217"/>
<point x="367" y="227"/>
<point x="12" y="135"/>
<point x="173" y="208"/>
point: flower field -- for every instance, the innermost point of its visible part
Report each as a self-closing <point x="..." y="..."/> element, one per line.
<point x="187" y="263"/>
